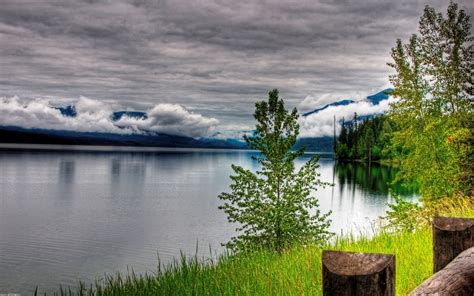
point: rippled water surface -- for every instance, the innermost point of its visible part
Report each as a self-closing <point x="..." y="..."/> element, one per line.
<point x="75" y="215"/>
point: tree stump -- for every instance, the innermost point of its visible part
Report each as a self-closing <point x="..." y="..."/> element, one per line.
<point x="347" y="273"/>
<point x="451" y="236"/>
<point x="457" y="278"/>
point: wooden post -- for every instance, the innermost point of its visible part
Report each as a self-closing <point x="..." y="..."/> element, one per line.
<point x="456" y="278"/>
<point x="451" y="236"/>
<point x="347" y="273"/>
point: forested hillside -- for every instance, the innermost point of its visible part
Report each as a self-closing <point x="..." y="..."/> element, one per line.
<point x="366" y="139"/>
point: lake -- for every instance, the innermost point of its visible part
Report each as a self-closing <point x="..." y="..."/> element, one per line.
<point x="75" y="215"/>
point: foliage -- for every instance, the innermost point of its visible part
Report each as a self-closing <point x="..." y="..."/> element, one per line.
<point x="409" y="216"/>
<point x="367" y="140"/>
<point x="433" y="85"/>
<point x="273" y="206"/>
<point x="295" y="272"/>
<point x="403" y="214"/>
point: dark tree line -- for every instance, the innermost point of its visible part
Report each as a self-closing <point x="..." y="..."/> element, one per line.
<point x="366" y="139"/>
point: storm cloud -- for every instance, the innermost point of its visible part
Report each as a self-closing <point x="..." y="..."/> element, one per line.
<point x="216" y="58"/>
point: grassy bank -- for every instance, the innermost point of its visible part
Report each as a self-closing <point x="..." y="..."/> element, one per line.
<point x="296" y="272"/>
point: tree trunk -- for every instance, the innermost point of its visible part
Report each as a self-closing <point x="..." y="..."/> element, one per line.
<point x="370" y="154"/>
<point x="457" y="278"/>
<point x="451" y="236"/>
<point x="346" y="273"/>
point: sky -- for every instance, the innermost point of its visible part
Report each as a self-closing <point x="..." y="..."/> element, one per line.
<point x="198" y="66"/>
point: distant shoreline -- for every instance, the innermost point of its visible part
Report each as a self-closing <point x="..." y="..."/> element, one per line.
<point x="110" y="148"/>
<point x="386" y="162"/>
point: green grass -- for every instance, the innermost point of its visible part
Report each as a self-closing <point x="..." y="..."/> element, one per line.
<point x="295" y="272"/>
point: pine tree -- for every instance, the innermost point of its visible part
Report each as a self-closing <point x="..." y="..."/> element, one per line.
<point x="342" y="142"/>
<point x="274" y="207"/>
<point x="356" y="137"/>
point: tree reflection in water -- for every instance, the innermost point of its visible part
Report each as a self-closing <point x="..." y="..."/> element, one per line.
<point x="374" y="177"/>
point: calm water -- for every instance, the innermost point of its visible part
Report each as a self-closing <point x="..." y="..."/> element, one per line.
<point x="70" y="215"/>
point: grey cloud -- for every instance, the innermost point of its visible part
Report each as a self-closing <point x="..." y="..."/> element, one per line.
<point x="217" y="57"/>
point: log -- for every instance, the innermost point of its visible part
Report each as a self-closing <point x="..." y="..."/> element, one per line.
<point x="347" y="273"/>
<point x="451" y="236"/>
<point x="456" y="278"/>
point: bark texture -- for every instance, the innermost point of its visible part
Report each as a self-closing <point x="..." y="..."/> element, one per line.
<point x="357" y="274"/>
<point x="451" y="236"/>
<point x="457" y="278"/>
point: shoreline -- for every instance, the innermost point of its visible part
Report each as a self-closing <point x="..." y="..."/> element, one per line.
<point x="121" y="148"/>
<point x="385" y="162"/>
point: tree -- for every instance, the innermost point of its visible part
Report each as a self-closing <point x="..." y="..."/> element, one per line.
<point x="434" y="106"/>
<point x="369" y="139"/>
<point x="274" y="207"/>
<point x="342" y="150"/>
<point x="356" y="137"/>
<point x="372" y="135"/>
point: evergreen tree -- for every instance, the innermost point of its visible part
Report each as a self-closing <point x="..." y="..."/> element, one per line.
<point x="274" y="207"/>
<point x="341" y="143"/>
<point x="373" y="137"/>
<point x="369" y="140"/>
<point x="356" y="137"/>
<point x="350" y="140"/>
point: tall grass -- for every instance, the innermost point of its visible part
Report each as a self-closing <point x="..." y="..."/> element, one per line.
<point x="295" y="272"/>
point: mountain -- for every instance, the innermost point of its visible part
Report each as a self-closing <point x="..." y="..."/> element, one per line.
<point x="338" y="103"/>
<point x="375" y="99"/>
<point x="326" y="143"/>
<point x="11" y="134"/>
<point x="144" y="138"/>
<point x="320" y="144"/>
<point x="68" y="111"/>
<point x="380" y="96"/>
<point x="134" y="114"/>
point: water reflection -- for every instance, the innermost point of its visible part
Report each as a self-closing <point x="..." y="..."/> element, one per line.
<point x="75" y="215"/>
<point x="66" y="179"/>
<point x="128" y="175"/>
<point x="66" y="171"/>
<point x="374" y="178"/>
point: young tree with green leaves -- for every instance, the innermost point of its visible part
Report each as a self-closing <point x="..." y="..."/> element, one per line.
<point x="274" y="206"/>
<point x="434" y="107"/>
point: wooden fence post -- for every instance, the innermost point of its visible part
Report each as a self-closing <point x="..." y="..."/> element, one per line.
<point x="451" y="236"/>
<point x="347" y="273"/>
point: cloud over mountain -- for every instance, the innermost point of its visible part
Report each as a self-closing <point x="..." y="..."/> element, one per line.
<point x="96" y="116"/>
<point x="90" y="115"/>
<point x="321" y="123"/>
<point x="171" y="119"/>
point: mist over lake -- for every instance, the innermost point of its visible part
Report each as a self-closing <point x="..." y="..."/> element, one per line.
<point x="67" y="216"/>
